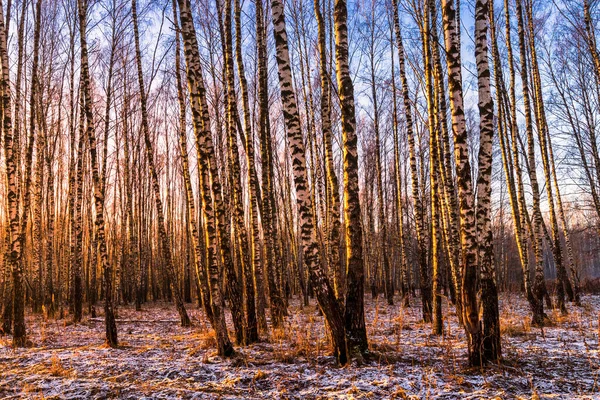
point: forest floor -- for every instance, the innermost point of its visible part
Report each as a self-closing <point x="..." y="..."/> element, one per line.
<point x="158" y="359"/>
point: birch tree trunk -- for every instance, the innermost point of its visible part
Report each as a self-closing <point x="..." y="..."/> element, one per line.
<point x="250" y="333"/>
<point x="563" y="283"/>
<point x="325" y="294"/>
<point x="162" y="232"/>
<point x="76" y="222"/>
<point x="15" y="248"/>
<point x="355" y="279"/>
<point x="490" y="315"/>
<point x="418" y="206"/>
<point x="433" y="124"/>
<point x="398" y="174"/>
<point x="508" y="134"/>
<point x="269" y="205"/>
<point x="254" y="274"/>
<point x="447" y="193"/>
<point x="539" y="285"/>
<point x="468" y="234"/>
<point x="109" y="317"/>
<point x="38" y="245"/>
<point x="206" y="157"/>
<point x="199" y="264"/>
<point x="333" y="213"/>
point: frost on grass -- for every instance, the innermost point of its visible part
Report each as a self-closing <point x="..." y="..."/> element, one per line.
<point x="159" y="359"/>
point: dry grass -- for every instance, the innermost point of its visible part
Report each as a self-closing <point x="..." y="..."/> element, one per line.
<point x="298" y="340"/>
<point x="406" y="360"/>
<point x="30" y="388"/>
<point x="203" y="341"/>
<point x="57" y="368"/>
<point x="399" y="393"/>
<point x="260" y="375"/>
<point x="513" y="324"/>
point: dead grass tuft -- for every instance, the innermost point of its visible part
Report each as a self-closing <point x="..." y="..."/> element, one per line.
<point x="399" y="394"/>
<point x="383" y="347"/>
<point x="206" y="341"/>
<point x="279" y="334"/>
<point x="514" y="325"/>
<point x="285" y="356"/>
<point x="30" y="388"/>
<point x="515" y="329"/>
<point x="57" y="368"/>
<point x="260" y="375"/>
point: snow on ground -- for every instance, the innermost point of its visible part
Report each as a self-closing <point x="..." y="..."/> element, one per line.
<point x="158" y="359"/>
